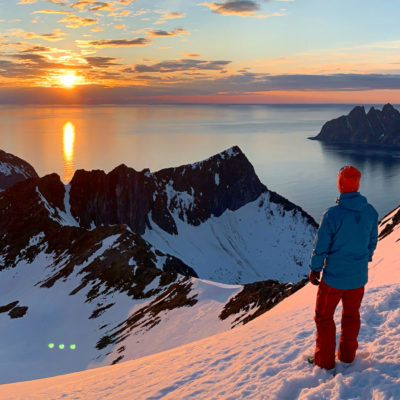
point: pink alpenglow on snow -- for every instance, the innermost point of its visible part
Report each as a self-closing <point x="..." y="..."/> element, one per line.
<point x="265" y="359"/>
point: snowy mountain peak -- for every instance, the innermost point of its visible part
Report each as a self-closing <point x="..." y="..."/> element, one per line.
<point x="13" y="169"/>
<point x="193" y="193"/>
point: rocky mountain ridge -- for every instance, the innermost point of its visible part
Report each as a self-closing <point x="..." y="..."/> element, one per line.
<point x="375" y="128"/>
<point x="13" y="169"/>
<point x="193" y="192"/>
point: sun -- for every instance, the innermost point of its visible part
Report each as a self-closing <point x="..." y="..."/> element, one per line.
<point x="69" y="79"/>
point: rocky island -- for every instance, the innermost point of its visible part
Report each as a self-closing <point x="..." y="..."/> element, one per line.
<point x="375" y="128"/>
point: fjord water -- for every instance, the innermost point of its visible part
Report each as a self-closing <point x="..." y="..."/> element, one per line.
<point x="274" y="138"/>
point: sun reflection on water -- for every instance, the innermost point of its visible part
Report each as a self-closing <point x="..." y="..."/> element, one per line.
<point x="69" y="150"/>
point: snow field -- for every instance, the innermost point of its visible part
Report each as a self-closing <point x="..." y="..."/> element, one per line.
<point x="52" y="317"/>
<point x="265" y="359"/>
<point x="181" y="325"/>
<point x="246" y="245"/>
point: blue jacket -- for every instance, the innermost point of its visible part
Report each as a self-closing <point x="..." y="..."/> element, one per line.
<point x="345" y="242"/>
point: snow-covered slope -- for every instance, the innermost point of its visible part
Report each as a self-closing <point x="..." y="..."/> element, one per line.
<point x="265" y="359"/>
<point x="258" y="241"/>
<point x="13" y="169"/>
<point x="75" y="270"/>
<point x="189" y="310"/>
<point x="215" y="215"/>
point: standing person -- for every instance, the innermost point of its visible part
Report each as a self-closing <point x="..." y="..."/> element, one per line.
<point x="344" y="244"/>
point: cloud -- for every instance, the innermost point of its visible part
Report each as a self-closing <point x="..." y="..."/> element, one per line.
<point x="57" y="34"/>
<point x="74" y="21"/>
<point x="141" y="12"/>
<point x="124" y="2"/>
<point x="102" y="62"/>
<point x="243" y="8"/>
<point x="191" y="55"/>
<point x="114" y="42"/>
<point x="175" y="32"/>
<point x="181" y="65"/>
<point x="81" y="4"/>
<point x="93" y="5"/>
<point x="59" y="2"/>
<point x="119" y="26"/>
<point x="36" y="49"/>
<point x="167" y="16"/>
<point x="50" y="12"/>
<point x="241" y="85"/>
<point x="101" y="6"/>
<point x="27" y="66"/>
<point x="27" y="1"/>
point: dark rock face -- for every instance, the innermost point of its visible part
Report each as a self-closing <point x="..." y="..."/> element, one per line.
<point x="13" y="310"/>
<point x="18" y="312"/>
<point x="122" y="196"/>
<point x="8" y="307"/>
<point x="13" y="169"/>
<point x="175" y="296"/>
<point x="194" y="192"/>
<point x="391" y="223"/>
<point x="260" y="297"/>
<point x="377" y="128"/>
<point x="29" y="226"/>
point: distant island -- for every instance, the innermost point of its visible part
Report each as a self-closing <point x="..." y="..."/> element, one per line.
<point x="377" y="128"/>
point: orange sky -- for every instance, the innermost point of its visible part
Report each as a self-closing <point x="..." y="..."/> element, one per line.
<point x="134" y="51"/>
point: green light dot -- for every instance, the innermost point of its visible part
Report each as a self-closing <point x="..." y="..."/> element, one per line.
<point x="61" y="346"/>
<point x="51" y="345"/>
<point x="72" y="346"/>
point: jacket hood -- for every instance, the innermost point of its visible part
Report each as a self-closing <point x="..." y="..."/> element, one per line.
<point x="353" y="201"/>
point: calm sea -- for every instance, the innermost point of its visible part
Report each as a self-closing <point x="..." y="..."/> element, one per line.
<point x="274" y="138"/>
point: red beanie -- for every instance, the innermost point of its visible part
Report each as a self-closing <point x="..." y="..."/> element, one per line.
<point x="348" y="179"/>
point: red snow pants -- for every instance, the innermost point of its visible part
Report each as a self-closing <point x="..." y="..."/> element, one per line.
<point x="327" y="300"/>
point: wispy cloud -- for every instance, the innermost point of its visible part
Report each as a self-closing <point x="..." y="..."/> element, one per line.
<point x="114" y="42"/>
<point x="124" y="2"/>
<point x="50" y="12"/>
<point x="101" y="6"/>
<point x="74" y="21"/>
<point x="102" y="62"/>
<point x="93" y="5"/>
<point x="191" y="55"/>
<point x="166" y="16"/>
<point x="181" y="65"/>
<point x="27" y="1"/>
<point x="57" y="34"/>
<point x="59" y="2"/>
<point x="175" y="32"/>
<point x="243" y="8"/>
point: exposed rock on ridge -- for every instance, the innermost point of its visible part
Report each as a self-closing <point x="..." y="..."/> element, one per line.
<point x="376" y="127"/>
<point x="193" y="192"/>
<point x="13" y="169"/>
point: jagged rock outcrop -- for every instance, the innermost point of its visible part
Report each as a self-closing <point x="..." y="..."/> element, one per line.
<point x="13" y="169"/>
<point x="389" y="223"/>
<point x="257" y="298"/>
<point x="377" y="128"/>
<point x="194" y="192"/>
<point x="31" y="222"/>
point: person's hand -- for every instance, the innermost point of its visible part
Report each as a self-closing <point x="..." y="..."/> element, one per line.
<point x="314" y="277"/>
